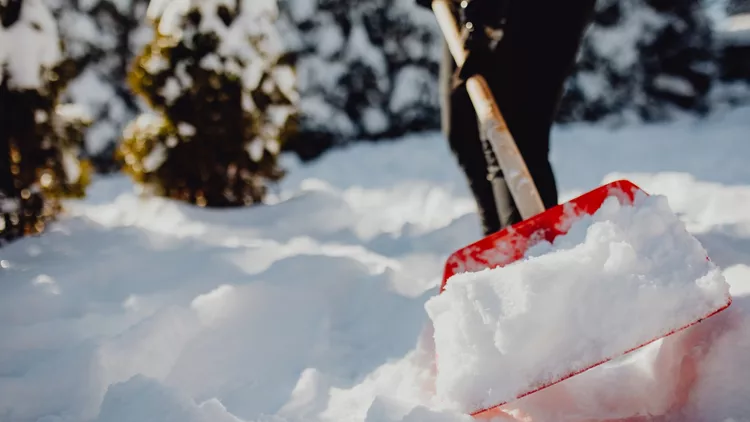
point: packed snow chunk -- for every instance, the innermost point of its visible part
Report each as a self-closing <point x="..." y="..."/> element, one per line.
<point x="618" y="279"/>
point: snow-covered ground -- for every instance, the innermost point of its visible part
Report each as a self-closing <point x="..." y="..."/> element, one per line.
<point x="312" y="308"/>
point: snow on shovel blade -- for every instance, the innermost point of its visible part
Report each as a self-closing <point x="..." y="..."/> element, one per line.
<point x="565" y="291"/>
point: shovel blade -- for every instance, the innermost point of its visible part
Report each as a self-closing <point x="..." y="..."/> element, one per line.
<point x="511" y="244"/>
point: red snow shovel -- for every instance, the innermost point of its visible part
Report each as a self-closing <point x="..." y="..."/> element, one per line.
<point x="510" y="245"/>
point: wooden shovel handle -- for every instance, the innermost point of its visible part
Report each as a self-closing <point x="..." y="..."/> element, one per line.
<point x="517" y="176"/>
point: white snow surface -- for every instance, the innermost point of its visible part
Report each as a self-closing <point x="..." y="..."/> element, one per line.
<point x="504" y="332"/>
<point x="312" y="308"/>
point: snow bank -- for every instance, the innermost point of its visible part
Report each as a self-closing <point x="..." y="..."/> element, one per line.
<point x="619" y="279"/>
<point x="143" y="398"/>
<point x="311" y="308"/>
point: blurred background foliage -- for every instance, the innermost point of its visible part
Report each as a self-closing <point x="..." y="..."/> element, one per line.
<point x="197" y="100"/>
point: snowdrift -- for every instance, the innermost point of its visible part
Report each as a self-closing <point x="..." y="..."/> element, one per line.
<point x="312" y="308"/>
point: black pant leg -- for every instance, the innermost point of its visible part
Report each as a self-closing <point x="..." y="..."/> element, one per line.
<point x="461" y="127"/>
<point x="527" y="77"/>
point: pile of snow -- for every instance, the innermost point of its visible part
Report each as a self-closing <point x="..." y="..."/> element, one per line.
<point x="312" y="308"/>
<point x="620" y="278"/>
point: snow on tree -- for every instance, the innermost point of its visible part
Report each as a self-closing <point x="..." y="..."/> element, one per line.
<point x="736" y="7"/>
<point x="40" y="137"/>
<point x="367" y="69"/>
<point x="102" y="37"/>
<point x="223" y="100"/>
<point x="642" y="59"/>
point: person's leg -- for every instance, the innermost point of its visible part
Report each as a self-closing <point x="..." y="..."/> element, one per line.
<point x="460" y="126"/>
<point x="530" y="67"/>
<point x="527" y="76"/>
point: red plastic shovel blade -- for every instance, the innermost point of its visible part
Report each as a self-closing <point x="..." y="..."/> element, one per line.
<point x="510" y="244"/>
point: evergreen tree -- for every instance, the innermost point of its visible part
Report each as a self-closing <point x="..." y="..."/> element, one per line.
<point x="367" y="69"/>
<point x="643" y="59"/>
<point x="102" y="37"/>
<point x="40" y="138"/>
<point x="222" y="94"/>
